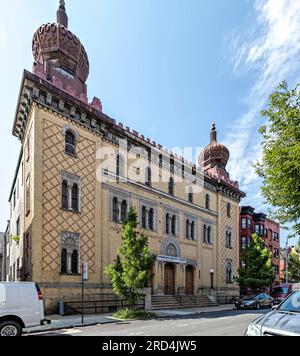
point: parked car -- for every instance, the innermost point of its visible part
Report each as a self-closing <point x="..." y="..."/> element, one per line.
<point x="284" y="320"/>
<point x="21" y="306"/>
<point x="256" y="302"/>
<point x="282" y="291"/>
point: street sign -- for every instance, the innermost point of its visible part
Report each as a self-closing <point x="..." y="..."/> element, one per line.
<point x="85" y="271"/>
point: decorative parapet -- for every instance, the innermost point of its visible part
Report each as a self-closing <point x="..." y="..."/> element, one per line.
<point x="36" y="90"/>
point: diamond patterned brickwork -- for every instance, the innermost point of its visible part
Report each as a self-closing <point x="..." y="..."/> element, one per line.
<point x="55" y="220"/>
<point x="227" y="253"/>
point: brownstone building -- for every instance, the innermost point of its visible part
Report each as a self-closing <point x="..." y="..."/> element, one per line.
<point x="250" y="223"/>
<point x="80" y="171"/>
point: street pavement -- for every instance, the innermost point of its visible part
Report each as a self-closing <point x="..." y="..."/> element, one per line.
<point x="67" y="322"/>
<point x="219" y="323"/>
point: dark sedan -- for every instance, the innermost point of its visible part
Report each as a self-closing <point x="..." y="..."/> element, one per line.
<point x="284" y="320"/>
<point x="257" y="302"/>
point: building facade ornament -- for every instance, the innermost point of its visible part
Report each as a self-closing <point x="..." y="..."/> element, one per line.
<point x="170" y="244"/>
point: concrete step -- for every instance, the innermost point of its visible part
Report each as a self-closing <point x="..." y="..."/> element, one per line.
<point x="183" y="307"/>
<point x="169" y="302"/>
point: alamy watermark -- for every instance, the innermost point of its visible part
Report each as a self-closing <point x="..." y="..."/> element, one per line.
<point x="128" y="163"/>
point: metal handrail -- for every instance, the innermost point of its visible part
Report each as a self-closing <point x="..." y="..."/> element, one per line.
<point x="98" y="305"/>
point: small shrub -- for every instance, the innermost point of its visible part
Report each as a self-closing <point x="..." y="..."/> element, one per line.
<point x="132" y="314"/>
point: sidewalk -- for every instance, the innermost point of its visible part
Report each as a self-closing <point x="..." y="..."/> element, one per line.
<point x="68" y="322"/>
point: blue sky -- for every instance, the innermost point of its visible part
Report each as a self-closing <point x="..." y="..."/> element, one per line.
<point x="165" y="68"/>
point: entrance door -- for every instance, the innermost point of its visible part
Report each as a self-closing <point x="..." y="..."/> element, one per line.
<point x="169" y="279"/>
<point x="189" y="275"/>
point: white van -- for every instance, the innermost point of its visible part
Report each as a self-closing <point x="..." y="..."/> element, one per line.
<point x="21" y="306"/>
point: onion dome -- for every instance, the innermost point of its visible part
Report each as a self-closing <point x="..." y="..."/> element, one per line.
<point x="216" y="155"/>
<point x="59" y="54"/>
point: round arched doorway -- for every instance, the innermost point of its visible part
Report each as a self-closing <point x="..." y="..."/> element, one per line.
<point x="169" y="279"/>
<point x="189" y="280"/>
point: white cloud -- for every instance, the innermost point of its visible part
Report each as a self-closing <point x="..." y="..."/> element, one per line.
<point x="3" y="36"/>
<point x="269" y="50"/>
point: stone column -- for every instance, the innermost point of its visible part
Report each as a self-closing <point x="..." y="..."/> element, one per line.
<point x="69" y="262"/>
<point x="195" y="280"/>
<point x="160" y="278"/>
<point x="178" y="279"/>
<point x="156" y="277"/>
<point x="182" y="279"/>
<point x="70" y="186"/>
<point x="148" y="298"/>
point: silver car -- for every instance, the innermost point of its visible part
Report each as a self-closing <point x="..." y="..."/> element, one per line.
<point x="284" y="320"/>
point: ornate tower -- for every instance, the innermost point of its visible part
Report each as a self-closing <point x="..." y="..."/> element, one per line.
<point x="60" y="57"/>
<point x="215" y="158"/>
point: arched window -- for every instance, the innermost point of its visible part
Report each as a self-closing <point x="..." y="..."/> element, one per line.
<point x="191" y="195"/>
<point x="209" y="239"/>
<point x="148" y="177"/>
<point x="228" y="239"/>
<point x="229" y="278"/>
<point x="64" y="195"/>
<point x="167" y="223"/>
<point x="174" y="225"/>
<point x="75" y="262"/>
<point x="64" y="262"/>
<point x="160" y="161"/>
<point x="193" y="230"/>
<point x="205" y="234"/>
<point x="70" y="247"/>
<point x="75" y="198"/>
<point x="70" y="192"/>
<point x="187" y="229"/>
<point x="172" y="164"/>
<point x="194" y="170"/>
<point x="144" y="217"/>
<point x="123" y="210"/>
<point x="229" y="209"/>
<point x="70" y="143"/>
<point x="119" y="167"/>
<point x="171" y="186"/>
<point x="207" y="201"/>
<point x="115" y="210"/>
<point x="151" y="219"/>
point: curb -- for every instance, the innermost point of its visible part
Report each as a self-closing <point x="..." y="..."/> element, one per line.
<point x="115" y="321"/>
<point x="30" y="331"/>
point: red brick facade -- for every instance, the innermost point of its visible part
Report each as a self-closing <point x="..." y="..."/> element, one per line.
<point x="251" y="223"/>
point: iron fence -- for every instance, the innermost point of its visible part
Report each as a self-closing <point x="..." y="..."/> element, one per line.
<point x="106" y="305"/>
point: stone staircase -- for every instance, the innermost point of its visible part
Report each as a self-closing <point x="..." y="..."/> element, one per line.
<point x="173" y="302"/>
<point x="165" y="302"/>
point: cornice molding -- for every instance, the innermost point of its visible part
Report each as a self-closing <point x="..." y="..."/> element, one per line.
<point x="36" y="90"/>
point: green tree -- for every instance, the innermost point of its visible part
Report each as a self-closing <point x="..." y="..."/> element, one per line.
<point x="280" y="164"/>
<point x="130" y="273"/>
<point x="256" y="271"/>
<point x="294" y="265"/>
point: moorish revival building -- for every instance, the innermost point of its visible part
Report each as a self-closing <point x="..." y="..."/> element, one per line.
<point x="80" y="171"/>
